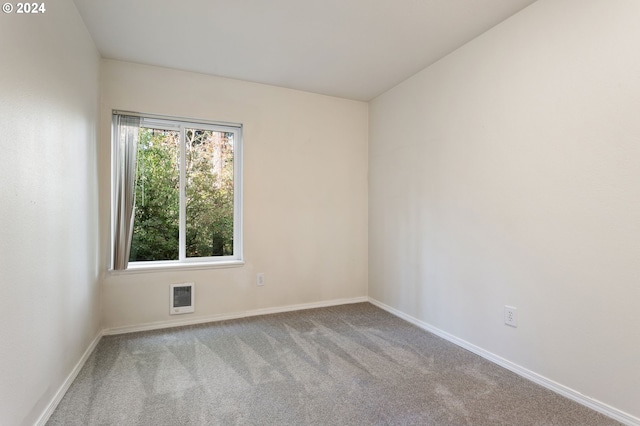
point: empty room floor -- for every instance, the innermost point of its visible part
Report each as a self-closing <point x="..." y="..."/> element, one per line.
<point x="345" y="365"/>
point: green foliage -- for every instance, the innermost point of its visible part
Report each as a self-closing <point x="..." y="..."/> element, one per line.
<point x="209" y="193"/>
<point x="208" y="189"/>
<point x="156" y="222"/>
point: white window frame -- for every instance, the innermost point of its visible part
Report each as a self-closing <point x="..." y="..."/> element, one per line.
<point x="181" y="124"/>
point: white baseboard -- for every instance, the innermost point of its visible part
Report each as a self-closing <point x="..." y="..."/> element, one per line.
<point x="234" y="315"/>
<point x="563" y="390"/>
<point x="44" y="417"/>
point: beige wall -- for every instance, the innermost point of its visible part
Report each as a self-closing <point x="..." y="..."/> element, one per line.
<point x="305" y="194"/>
<point x="49" y="308"/>
<point x="508" y="173"/>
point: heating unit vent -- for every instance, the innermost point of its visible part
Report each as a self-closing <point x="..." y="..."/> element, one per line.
<point x="182" y="298"/>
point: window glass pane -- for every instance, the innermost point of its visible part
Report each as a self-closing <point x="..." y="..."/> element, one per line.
<point x="209" y="193"/>
<point x="156" y="225"/>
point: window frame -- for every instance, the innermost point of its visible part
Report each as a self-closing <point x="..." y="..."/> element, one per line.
<point x="180" y="124"/>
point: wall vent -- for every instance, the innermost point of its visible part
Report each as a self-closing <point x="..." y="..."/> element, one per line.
<point x="182" y="300"/>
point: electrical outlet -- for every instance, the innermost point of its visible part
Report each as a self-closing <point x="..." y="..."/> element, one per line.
<point x="260" y="279"/>
<point x="511" y="316"/>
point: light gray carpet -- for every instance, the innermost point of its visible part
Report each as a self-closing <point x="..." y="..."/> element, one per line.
<point x="345" y="365"/>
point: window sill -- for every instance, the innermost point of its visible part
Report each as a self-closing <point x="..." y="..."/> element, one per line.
<point x="177" y="266"/>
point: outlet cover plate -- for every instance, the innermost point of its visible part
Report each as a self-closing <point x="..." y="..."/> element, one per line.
<point x="511" y="316"/>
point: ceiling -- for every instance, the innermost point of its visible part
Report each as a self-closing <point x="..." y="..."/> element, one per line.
<point x="355" y="49"/>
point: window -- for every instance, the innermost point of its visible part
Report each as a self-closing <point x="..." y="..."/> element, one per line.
<point x="183" y="181"/>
